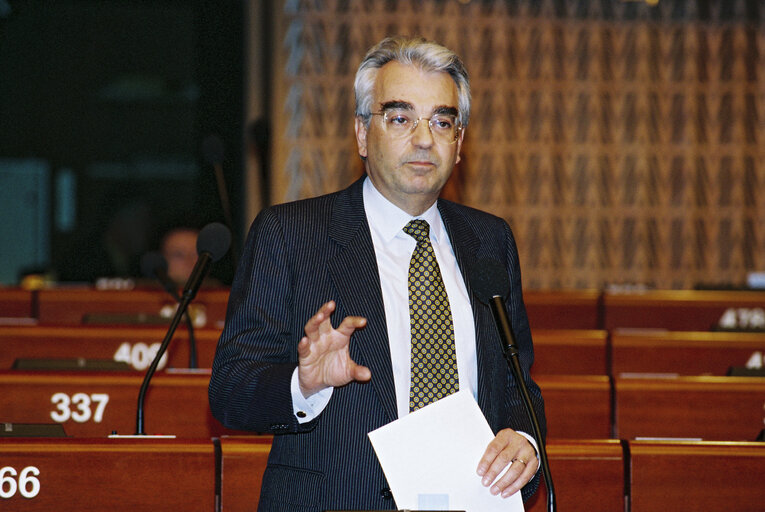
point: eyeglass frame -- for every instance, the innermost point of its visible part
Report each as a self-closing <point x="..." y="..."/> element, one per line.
<point x="384" y="114"/>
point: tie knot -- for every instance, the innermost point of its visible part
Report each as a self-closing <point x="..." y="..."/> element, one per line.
<point x="418" y="229"/>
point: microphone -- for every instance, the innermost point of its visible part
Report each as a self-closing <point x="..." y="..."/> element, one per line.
<point x="212" y="244"/>
<point x="154" y="265"/>
<point x="490" y="285"/>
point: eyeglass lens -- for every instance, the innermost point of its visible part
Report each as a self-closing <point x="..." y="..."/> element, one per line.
<point x="400" y="123"/>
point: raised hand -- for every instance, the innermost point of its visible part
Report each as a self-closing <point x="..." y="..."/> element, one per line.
<point x="323" y="355"/>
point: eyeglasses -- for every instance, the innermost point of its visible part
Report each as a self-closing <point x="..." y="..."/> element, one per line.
<point x="445" y="128"/>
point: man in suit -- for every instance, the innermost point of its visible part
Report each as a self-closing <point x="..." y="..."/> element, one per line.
<point x="317" y="346"/>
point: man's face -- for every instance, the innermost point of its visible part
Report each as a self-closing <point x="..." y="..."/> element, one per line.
<point x="180" y="251"/>
<point x="409" y="171"/>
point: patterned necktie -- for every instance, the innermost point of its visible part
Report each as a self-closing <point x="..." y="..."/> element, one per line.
<point x="434" y="360"/>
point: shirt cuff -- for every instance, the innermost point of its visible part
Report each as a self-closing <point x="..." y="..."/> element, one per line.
<point x="307" y="409"/>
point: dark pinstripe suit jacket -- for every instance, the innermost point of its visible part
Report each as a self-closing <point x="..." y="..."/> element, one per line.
<point x="298" y="256"/>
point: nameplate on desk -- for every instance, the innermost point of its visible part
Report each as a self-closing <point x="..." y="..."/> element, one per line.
<point x="742" y="371"/>
<point x="32" y="430"/>
<point x="125" y="319"/>
<point x="77" y="363"/>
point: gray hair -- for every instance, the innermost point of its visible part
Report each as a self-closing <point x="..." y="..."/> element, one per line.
<point x="426" y="55"/>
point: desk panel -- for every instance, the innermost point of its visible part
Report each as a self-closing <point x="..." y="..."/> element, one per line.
<point x="563" y="309"/>
<point x="588" y="476"/>
<point x="687" y="476"/>
<point x="243" y="461"/>
<point x="577" y="406"/>
<point x="685" y="310"/>
<point x="683" y="352"/>
<point x="93" y="404"/>
<point x="570" y="352"/>
<point x="710" y="408"/>
<point x="106" y="474"/>
<point x="134" y="345"/>
<point x="16" y="303"/>
<point x="138" y="306"/>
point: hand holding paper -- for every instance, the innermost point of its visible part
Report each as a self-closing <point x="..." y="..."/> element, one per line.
<point x="430" y="458"/>
<point x="508" y="448"/>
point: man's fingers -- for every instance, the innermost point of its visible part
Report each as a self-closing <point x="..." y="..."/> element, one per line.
<point x="360" y="373"/>
<point x="350" y="324"/>
<point x="304" y="347"/>
<point x="486" y="464"/>
<point x="517" y="475"/>
<point x="324" y="358"/>
<point x="324" y="311"/>
<point x="500" y="462"/>
<point x="510" y="455"/>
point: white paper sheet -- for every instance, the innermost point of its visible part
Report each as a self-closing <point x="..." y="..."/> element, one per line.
<point x="430" y="458"/>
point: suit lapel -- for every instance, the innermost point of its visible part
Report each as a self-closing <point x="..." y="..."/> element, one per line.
<point x="491" y="375"/>
<point x="353" y="270"/>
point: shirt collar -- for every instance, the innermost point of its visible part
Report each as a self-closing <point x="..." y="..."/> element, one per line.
<point x="388" y="220"/>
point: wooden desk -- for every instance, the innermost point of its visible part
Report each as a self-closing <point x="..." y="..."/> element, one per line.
<point x="108" y="474"/>
<point x="683" y="352"/>
<point x="563" y="309"/>
<point x="588" y="476"/>
<point x="134" y="345"/>
<point x="570" y="352"/>
<point x="243" y="461"/>
<point x="577" y="406"/>
<point x="93" y="404"/>
<point x="78" y="305"/>
<point x="688" y="476"/>
<point x="710" y="408"/>
<point x="16" y="303"/>
<point x="684" y="310"/>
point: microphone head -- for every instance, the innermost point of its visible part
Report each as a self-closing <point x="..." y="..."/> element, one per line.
<point x="153" y="264"/>
<point x="212" y="150"/>
<point x="489" y="279"/>
<point x="214" y="239"/>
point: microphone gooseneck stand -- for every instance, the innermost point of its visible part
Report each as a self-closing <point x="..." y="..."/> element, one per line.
<point x="510" y="350"/>
<point x="212" y="244"/>
<point x="185" y="300"/>
<point x="189" y="327"/>
<point x="154" y="266"/>
<point x="491" y="282"/>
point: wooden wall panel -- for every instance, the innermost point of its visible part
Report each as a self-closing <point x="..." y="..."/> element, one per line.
<point x="622" y="141"/>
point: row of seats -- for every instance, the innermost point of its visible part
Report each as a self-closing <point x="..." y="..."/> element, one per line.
<point x="657" y="351"/>
<point x="92" y="404"/>
<point x="224" y="474"/>
<point x="611" y="367"/>
<point x="684" y="310"/>
<point x="557" y="351"/>
<point x="589" y="377"/>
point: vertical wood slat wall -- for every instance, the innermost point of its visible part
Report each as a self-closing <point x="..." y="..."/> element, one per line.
<point x="624" y="143"/>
